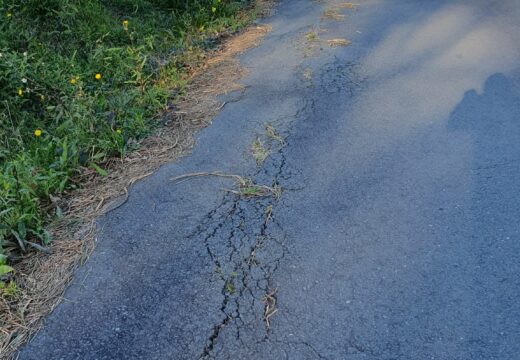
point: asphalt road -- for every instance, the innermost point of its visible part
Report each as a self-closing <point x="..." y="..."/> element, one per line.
<point x="396" y="235"/>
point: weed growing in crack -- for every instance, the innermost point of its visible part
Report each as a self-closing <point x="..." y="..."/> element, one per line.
<point x="229" y="287"/>
<point x="272" y="134"/>
<point x="259" y="151"/>
<point x="311" y="42"/>
<point x="312" y="36"/>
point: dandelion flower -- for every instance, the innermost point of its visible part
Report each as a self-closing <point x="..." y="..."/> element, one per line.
<point x="213" y="9"/>
<point x="125" y="24"/>
<point x="73" y="81"/>
<point x="38" y="132"/>
<point x="20" y="92"/>
<point x="98" y="76"/>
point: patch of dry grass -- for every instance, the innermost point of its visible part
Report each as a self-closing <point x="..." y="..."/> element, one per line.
<point x="42" y="278"/>
<point x="332" y="14"/>
<point x="347" y="5"/>
<point x="338" y="42"/>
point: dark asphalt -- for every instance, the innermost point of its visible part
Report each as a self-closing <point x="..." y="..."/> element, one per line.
<point x="396" y="235"/>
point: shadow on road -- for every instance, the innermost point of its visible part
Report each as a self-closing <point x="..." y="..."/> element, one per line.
<point x="492" y="123"/>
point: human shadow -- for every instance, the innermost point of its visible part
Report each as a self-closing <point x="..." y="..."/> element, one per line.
<point x="491" y="121"/>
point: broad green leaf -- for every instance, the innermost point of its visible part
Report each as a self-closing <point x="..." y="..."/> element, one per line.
<point x="5" y="269"/>
<point x="99" y="170"/>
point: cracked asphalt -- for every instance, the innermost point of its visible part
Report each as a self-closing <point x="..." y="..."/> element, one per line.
<point x="396" y="235"/>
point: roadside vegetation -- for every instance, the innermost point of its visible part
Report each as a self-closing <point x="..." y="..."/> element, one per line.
<point x="82" y="81"/>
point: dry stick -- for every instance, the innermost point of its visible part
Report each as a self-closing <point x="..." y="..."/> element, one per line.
<point x="242" y="182"/>
<point x="270" y="306"/>
<point x="185" y="177"/>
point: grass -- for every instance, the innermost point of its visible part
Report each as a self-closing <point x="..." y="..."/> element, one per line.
<point x="333" y="14"/>
<point x="82" y="82"/>
<point x="312" y="36"/>
<point x="311" y="41"/>
<point x="260" y="153"/>
<point x="338" y="42"/>
<point x="272" y="134"/>
<point x="347" y="5"/>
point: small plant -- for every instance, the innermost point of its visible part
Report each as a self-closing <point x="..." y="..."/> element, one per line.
<point x="5" y="271"/>
<point x="312" y="36"/>
<point x="311" y="41"/>
<point x="229" y="287"/>
<point x="271" y="131"/>
<point x="8" y="290"/>
<point x="259" y="152"/>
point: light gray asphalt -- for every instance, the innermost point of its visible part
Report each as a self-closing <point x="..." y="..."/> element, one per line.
<point x="397" y="232"/>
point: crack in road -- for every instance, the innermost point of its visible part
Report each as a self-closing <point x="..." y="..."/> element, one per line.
<point x="245" y="244"/>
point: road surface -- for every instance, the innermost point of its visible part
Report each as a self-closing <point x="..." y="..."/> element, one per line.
<point x="396" y="235"/>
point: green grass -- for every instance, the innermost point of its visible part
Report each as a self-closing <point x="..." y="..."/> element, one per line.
<point x="82" y="80"/>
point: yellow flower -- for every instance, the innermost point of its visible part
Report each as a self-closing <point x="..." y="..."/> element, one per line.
<point x="9" y="14"/>
<point x="201" y="28"/>
<point x="37" y="133"/>
<point x="125" y="24"/>
<point x="20" y="92"/>
<point x="118" y="131"/>
<point x="73" y="81"/>
<point x="213" y="9"/>
<point x="98" y="76"/>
